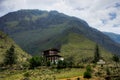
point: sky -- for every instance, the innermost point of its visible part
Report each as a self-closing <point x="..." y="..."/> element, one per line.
<point x="103" y="15"/>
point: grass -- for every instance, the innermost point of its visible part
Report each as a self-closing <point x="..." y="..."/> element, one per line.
<point x="5" y="44"/>
<point x="40" y="38"/>
<point x="45" y="73"/>
<point x="41" y="74"/>
<point x="68" y="73"/>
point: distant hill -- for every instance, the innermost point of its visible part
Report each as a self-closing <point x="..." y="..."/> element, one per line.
<point x="113" y="36"/>
<point x="36" y="30"/>
<point x="6" y="43"/>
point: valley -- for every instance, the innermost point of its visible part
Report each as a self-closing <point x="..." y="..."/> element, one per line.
<point x="25" y="35"/>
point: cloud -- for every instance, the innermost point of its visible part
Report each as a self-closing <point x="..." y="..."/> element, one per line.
<point x="100" y="14"/>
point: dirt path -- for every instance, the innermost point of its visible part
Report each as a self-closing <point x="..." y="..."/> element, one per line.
<point x="74" y="78"/>
<point x="81" y="78"/>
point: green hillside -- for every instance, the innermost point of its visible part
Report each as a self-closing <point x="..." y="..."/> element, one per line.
<point x="81" y="48"/>
<point x="36" y="30"/>
<point x="6" y="43"/>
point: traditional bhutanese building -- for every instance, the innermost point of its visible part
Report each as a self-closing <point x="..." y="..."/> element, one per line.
<point x="52" y="55"/>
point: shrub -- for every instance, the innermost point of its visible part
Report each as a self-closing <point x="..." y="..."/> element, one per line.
<point x="108" y="71"/>
<point x="87" y="74"/>
<point x="115" y="58"/>
<point x="88" y="68"/>
<point x="48" y="63"/>
<point x="61" y="64"/>
<point x="35" y="62"/>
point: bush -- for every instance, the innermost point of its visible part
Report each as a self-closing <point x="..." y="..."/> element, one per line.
<point x="48" y="63"/>
<point x="69" y="64"/>
<point x="35" y="62"/>
<point x="61" y="64"/>
<point x="88" y="68"/>
<point x="108" y="71"/>
<point x="87" y="74"/>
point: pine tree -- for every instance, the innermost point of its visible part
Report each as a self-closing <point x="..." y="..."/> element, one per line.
<point x="10" y="57"/>
<point x="96" y="54"/>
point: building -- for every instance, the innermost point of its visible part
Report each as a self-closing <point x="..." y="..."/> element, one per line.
<point x="52" y="55"/>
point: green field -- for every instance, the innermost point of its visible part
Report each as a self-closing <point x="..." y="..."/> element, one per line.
<point x="41" y="74"/>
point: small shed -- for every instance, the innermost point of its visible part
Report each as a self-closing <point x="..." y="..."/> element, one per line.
<point x="101" y="62"/>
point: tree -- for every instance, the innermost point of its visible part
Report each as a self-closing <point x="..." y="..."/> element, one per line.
<point x="96" y="54"/>
<point x="115" y="58"/>
<point x="36" y="61"/>
<point x="10" y="56"/>
<point x="61" y="64"/>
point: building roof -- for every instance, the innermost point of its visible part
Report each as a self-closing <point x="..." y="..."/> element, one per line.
<point x="52" y="49"/>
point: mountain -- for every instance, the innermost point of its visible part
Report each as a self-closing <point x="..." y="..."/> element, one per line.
<point x="36" y="30"/>
<point x="6" y="43"/>
<point x="113" y="36"/>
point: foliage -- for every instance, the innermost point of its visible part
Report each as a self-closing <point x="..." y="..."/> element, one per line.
<point x="108" y="71"/>
<point x="48" y="63"/>
<point x="10" y="56"/>
<point x="35" y="61"/>
<point x="96" y="54"/>
<point x="116" y="58"/>
<point x="5" y="43"/>
<point x="61" y="64"/>
<point x="88" y="68"/>
<point x="69" y="61"/>
<point x="87" y="74"/>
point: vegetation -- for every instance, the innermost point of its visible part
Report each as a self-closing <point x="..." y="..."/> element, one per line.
<point x="96" y="54"/>
<point x="79" y="49"/>
<point x="116" y="58"/>
<point x="6" y="48"/>
<point x="87" y="73"/>
<point x="65" y="33"/>
<point x="10" y="56"/>
<point x="108" y="71"/>
<point x="36" y="61"/>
